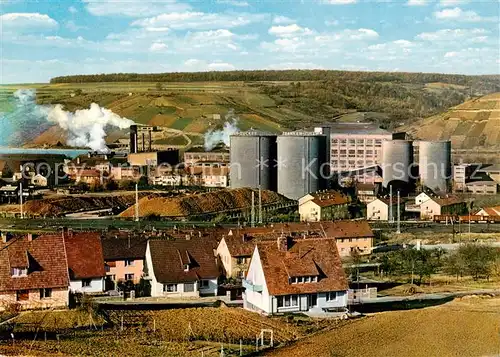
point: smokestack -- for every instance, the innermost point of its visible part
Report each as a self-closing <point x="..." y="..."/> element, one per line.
<point x="133" y="139"/>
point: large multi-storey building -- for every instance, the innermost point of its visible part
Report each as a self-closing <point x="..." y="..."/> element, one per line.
<point x="356" y="146"/>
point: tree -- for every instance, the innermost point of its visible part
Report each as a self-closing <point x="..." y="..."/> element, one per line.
<point x="159" y="86"/>
<point x="110" y="185"/>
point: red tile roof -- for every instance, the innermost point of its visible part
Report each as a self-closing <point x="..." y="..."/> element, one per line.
<point x="85" y="257"/>
<point x="123" y="246"/>
<point x="329" y="198"/>
<point x="304" y="257"/>
<point x="47" y="263"/>
<point x="243" y="240"/>
<point x="169" y="256"/>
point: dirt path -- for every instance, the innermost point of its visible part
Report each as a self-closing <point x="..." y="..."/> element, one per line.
<point x="464" y="327"/>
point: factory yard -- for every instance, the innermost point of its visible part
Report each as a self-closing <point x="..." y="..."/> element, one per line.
<point x="464" y="327"/>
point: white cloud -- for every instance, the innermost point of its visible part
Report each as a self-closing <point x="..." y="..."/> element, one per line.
<point x="457" y="14"/>
<point x="452" y="2"/>
<point x="73" y="27"/>
<point x="289" y="30"/>
<point x="339" y="2"/>
<point x="417" y="2"/>
<point x="220" y="66"/>
<point x="199" y="20"/>
<point x="233" y="3"/>
<point x="27" y="22"/>
<point x="201" y="65"/>
<point x="473" y="35"/>
<point x="133" y="8"/>
<point x="282" y="20"/>
<point x="72" y="9"/>
<point x="158" y="47"/>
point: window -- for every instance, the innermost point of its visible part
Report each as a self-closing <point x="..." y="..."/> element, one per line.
<point x="129" y="276"/>
<point x="86" y="283"/>
<point x="240" y="260"/>
<point x="22" y="295"/>
<point x="293" y="280"/>
<point x="45" y="293"/>
<point x="241" y="274"/>
<point x="170" y="288"/>
<point x="331" y="296"/>
<point x="288" y="301"/>
<point x="16" y="272"/>
<point x="204" y="284"/>
<point x="129" y="263"/>
<point x="188" y="287"/>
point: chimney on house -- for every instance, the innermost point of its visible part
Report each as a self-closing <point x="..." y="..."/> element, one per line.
<point x="284" y="243"/>
<point x="245" y="237"/>
<point x="30" y="237"/>
<point x="5" y="237"/>
<point x="78" y="160"/>
<point x="188" y="237"/>
<point x="64" y="232"/>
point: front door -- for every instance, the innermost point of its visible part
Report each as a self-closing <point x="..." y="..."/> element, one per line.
<point x="313" y="300"/>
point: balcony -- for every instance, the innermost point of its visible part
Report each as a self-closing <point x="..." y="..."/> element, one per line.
<point x="248" y="285"/>
<point x="412" y="208"/>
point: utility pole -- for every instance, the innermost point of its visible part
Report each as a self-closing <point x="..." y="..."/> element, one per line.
<point x="399" y="216"/>
<point x="260" y="205"/>
<point x="252" y="215"/>
<point x="21" y="199"/>
<point x="391" y="215"/>
<point x="137" y="202"/>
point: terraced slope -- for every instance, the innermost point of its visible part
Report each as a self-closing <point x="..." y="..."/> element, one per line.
<point x="474" y="124"/>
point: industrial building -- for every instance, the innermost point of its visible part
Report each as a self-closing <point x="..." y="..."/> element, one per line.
<point x="435" y="165"/>
<point x="354" y="146"/>
<point x="141" y="138"/>
<point x="253" y="160"/>
<point x="397" y="162"/>
<point x="155" y="158"/>
<point x="196" y="156"/>
<point x="301" y="156"/>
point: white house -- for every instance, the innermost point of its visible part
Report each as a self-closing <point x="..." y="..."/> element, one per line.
<point x="442" y="206"/>
<point x="421" y="198"/>
<point x="85" y="262"/>
<point x="294" y="276"/>
<point x="181" y="268"/>
<point x="322" y="206"/>
<point x="379" y="209"/>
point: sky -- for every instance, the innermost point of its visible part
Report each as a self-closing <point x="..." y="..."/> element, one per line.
<point x="47" y="38"/>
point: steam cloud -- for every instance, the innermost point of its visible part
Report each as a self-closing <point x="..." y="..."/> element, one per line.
<point x="85" y="128"/>
<point x="214" y="137"/>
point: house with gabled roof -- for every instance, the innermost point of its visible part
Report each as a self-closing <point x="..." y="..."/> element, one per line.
<point x="181" y="268"/>
<point x="295" y="275"/>
<point x="33" y="271"/>
<point x="323" y="205"/>
<point x="85" y="262"/>
<point x="436" y="206"/>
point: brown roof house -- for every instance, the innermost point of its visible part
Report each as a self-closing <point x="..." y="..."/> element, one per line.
<point x="295" y="275"/>
<point x="323" y="206"/>
<point x="85" y="262"/>
<point x="33" y="271"/>
<point x="181" y="268"/>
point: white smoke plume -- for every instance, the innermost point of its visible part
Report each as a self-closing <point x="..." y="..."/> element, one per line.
<point x="214" y="137"/>
<point x="85" y="128"/>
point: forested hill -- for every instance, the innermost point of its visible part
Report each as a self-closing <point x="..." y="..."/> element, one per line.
<point x="489" y="83"/>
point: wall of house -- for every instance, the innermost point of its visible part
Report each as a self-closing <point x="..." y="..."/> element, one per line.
<point x="211" y="289"/>
<point x="309" y="212"/>
<point x="119" y="271"/>
<point x="346" y="245"/>
<point x="421" y="198"/>
<point x="239" y="269"/>
<point x="96" y="286"/>
<point x="377" y="211"/>
<point x="225" y="258"/>
<point x="59" y="298"/>
<point x="429" y="209"/>
<point x="253" y="300"/>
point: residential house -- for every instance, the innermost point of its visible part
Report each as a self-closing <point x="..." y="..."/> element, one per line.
<point x="442" y="206"/>
<point x="366" y="192"/>
<point x="381" y="209"/>
<point x="181" y="268"/>
<point x="211" y="174"/>
<point x="234" y="252"/>
<point x="489" y="211"/>
<point x="90" y="177"/>
<point x="85" y="262"/>
<point x="124" y="255"/>
<point x="323" y="206"/>
<point x="9" y="194"/>
<point x="421" y="198"/>
<point x="295" y="275"/>
<point x="33" y="271"/>
<point x="482" y="187"/>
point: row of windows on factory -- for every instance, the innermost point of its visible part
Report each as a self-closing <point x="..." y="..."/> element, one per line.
<point x="368" y="142"/>
<point x="336" y="163"/>
<point x="350" y="152"/>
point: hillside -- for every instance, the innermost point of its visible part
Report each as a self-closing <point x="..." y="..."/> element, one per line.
<point x="473" y="127"/>
<point x="212" y="202"/>
<point x="189" y="104"/>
